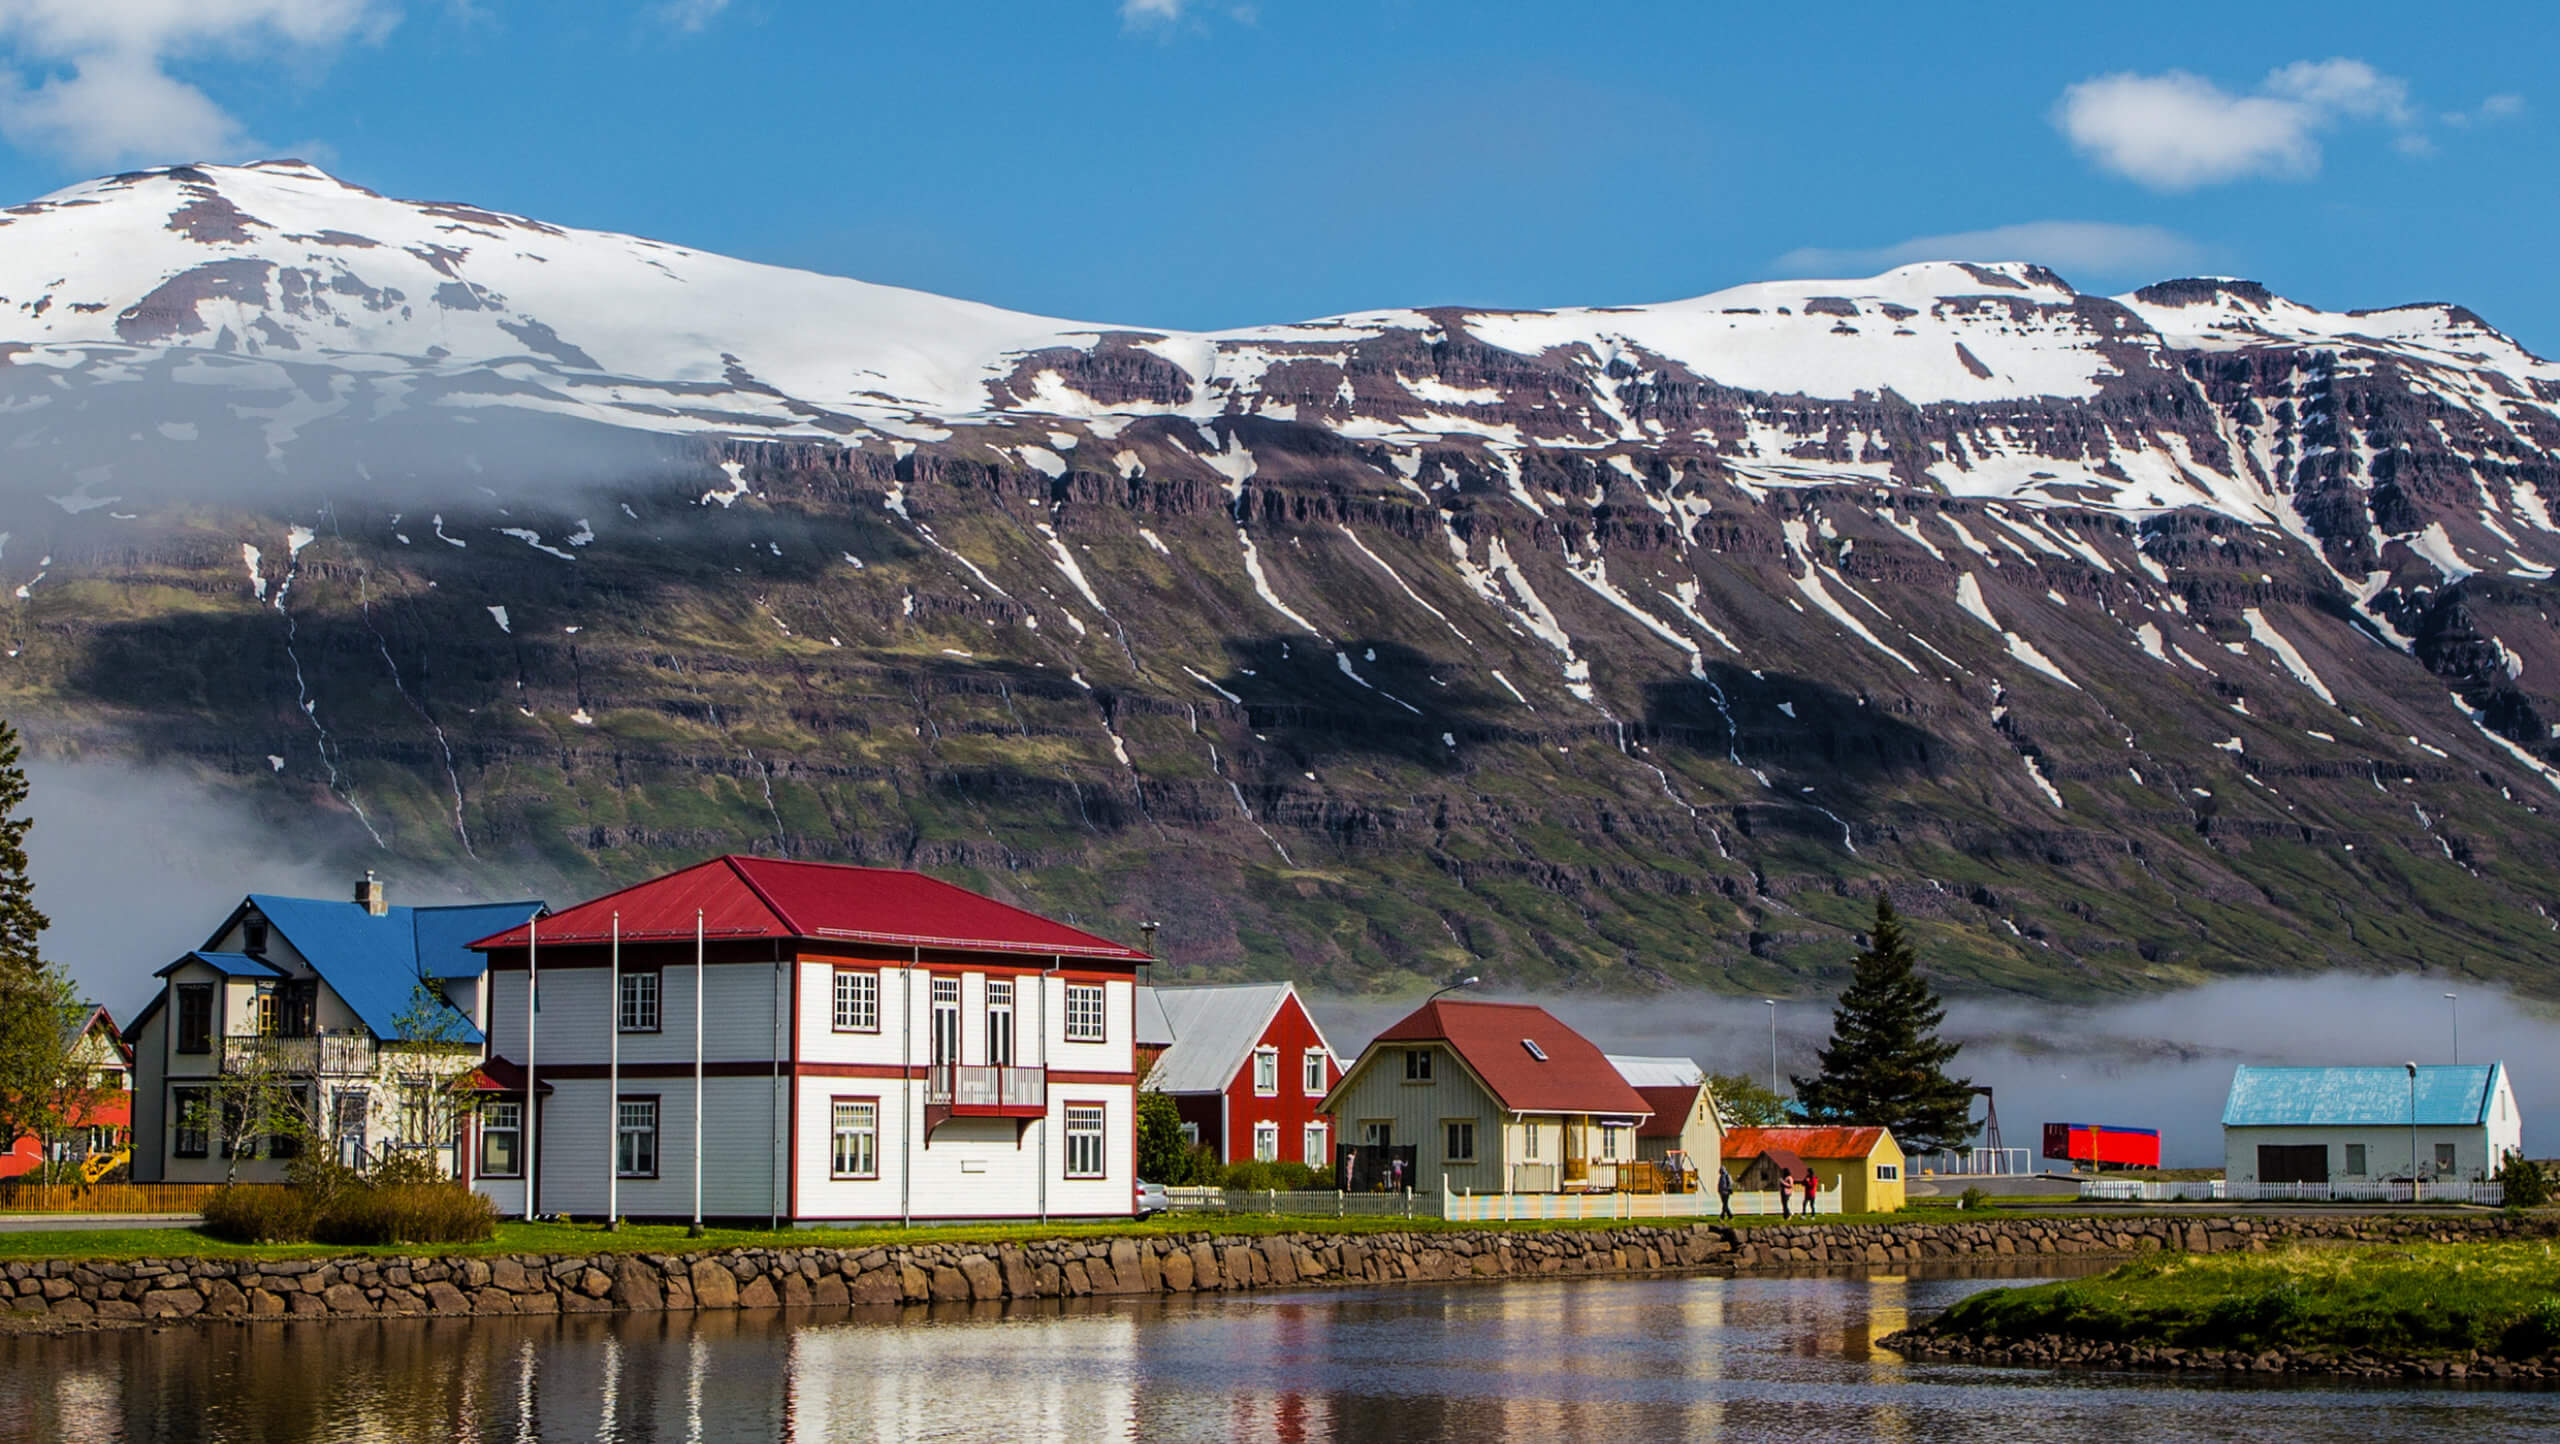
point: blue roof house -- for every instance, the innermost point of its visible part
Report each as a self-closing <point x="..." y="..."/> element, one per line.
<point x="2357" y="1131"/>
<point x="349" y="1015"/>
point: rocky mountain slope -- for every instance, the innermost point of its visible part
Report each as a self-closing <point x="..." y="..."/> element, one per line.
<point x="2124" y="640"/>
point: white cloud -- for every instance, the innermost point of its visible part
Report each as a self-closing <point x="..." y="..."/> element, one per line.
<point x="101" y="92"/>
<point x="1151" y="12"/>
<point x="2099" y="247"/>
<point x="2176" y="131"/>
<point x="691" y="15"/>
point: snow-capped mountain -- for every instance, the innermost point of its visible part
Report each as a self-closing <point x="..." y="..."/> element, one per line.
<point x="2120" y="637"/>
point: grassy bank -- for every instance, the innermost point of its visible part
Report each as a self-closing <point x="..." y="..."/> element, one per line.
<point x="2412" y="1300"/>
<point x="568" y="1238"/>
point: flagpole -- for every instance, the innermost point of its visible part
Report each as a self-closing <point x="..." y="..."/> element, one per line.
<point x="613" y="1087"/>
<point x="532" y="1020"/>
<point x="696" y="1231"/>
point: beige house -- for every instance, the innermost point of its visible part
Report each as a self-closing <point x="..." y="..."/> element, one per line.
<point x="1485" y="1098"/>
<point x="1684" y="1117"/>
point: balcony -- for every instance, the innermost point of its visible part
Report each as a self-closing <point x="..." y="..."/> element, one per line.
<point x="326" y="1055"/>
<point x="964" y="1090"/>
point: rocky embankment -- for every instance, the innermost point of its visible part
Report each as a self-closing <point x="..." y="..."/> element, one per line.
<point x="86" y="1292"/>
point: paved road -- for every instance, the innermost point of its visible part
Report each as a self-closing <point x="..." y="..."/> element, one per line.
<point x="83" y="1222"/>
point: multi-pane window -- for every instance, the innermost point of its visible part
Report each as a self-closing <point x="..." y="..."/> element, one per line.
<point x="1084" y="1012"/>
<point x="635" y="1138"/>
<point x="195" y="1017"/>
<point x="1084" y="1139"/>
<point x="1417" y="1065"/>
<point x="194" y="1112"/>
<point x="1612" y="1142"/>
<point x="638" y="1010"/>
<point x="2355" y="1160"/>
<point x="262" y="1011"/>
<point x="502" y="1140"/>
<point x="1458" y="1141"/>
<point x="417" y="1110"/>
<point x="857" y="1001"/>
<point x="1000" y="1022"/>
<point x="1887" y="1172"/>
<point x="1312" y="1147"/>
<point x="1266" y="1072"/>
<point x="856" y="1127"/>
<point x="1314" y="1073"/>
<point x="1529" y="1142"/>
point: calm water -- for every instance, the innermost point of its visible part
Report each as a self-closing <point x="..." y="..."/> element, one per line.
<point x="1782" y="1359"/>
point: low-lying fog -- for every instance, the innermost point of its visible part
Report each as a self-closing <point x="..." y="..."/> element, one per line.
<point x="135" y="866"/>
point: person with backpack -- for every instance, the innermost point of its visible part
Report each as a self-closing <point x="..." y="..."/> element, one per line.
<point x="1724" y="1191"/>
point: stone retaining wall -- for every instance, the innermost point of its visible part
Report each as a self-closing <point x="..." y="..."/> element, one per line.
<point x="77" y="1290"/>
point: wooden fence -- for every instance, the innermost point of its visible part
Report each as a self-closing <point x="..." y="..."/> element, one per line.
<point x="108" y="1197"/>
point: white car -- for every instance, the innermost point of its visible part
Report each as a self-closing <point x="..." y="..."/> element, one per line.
<point x="1152" y="1199"/>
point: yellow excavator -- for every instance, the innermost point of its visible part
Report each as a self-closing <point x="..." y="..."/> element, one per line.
<point x="98" y="1165"/>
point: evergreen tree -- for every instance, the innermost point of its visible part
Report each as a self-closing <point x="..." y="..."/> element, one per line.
<point x="1885" y="1064"/>
<point x="42" y="1088"/>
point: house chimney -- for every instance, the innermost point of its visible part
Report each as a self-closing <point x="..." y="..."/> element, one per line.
<point x="369" y="893"/>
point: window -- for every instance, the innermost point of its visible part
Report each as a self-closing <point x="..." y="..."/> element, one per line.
<point x="1084" y="1135"/>
<point x="1315" y="1073"/>
<point x="1190" y="1135"/>
<point x="193" y="1110"/>
<point x="1084" y="1012"/>
<point x="639" y="1008"/>
<point x="417" y="1110"/>
<point x="856" y="1126"/>
<point x="1529" y="1142"/>
<point x="1266" y="1072"/>
<point x="1613" y="1142"/>
<point x="1534" y="1050"/>
<point x="1266" y="1142"/>
<point x="262" y="1011"/>
<point x="2444" y="1158"/>
<point x="1887" y="1173"/>
<point x="635" y="1136"/>
<point x="1000" y="1022"/>
<point x="502" y="1140"/>
<point x="253" y="936"/>
<point x="857" y="1001"/>
<point x="2355" y="1160"/>
<point x="1417" y="1065"/>
<point x="1376" y="1133"/>
<point x="1313" y="1147"/>
<point x="195" y="1018"/>
<point x="1458" y="1141"/>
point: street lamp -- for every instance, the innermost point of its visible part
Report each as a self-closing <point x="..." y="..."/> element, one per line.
<point x="1773" y="1043"/>
<point x="2413" y="1132"/>
<point x="2456" y="1004"/>
<point x="1469" y="981"/>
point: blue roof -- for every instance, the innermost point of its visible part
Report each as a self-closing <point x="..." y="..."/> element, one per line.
<point x="374" y="964"/>
<point x="2448" y="1096"/>
<point x="230" y="965"/>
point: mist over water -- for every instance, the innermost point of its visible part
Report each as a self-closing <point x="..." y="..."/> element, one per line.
<point x="2161" y="1062"/>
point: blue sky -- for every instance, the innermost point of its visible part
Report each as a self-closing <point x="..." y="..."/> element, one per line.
<point x="1208" y="163"/>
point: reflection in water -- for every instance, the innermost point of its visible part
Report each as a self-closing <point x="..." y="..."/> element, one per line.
<point x="1774" y="1359"/>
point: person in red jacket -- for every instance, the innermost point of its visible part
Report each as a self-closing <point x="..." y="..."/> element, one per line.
<point x="1812" y="1186"/>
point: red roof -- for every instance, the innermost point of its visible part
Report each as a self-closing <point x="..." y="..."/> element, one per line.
<point x="1492" y="1039"/>
<point x="759" y="897"/>
<point x="1670" y="1109"/>
<point x="1804" y="1142"/>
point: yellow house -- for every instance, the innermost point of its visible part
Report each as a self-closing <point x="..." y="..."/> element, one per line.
<point x="1860" y="1168"/>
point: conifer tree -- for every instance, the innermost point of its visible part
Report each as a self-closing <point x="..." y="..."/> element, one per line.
<point x="41" y="1087"/>
<point x="1885" y="1064"/>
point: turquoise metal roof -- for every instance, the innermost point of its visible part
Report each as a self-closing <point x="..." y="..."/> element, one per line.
<point x="375" y="964"/>
<point x="2448" y="1095"/>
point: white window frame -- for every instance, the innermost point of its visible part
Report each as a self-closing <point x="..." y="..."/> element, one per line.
<point x="1315" y="1145"/>
<point x="1888" y="1172"/>
<point x="1086" y="1013"/>
<point x="1266" y="1072"/>
<point x="857" y="1000"/>
<point x="635" y="1004"/>
<point x="1087" y="1155"/>
<point x="1313" y="1070"/>
<point x="502" y="1120"/>
<point x="1528" y="1142"/>
<point x="853" y="1138"/>
<point x="1266" y="1141"/>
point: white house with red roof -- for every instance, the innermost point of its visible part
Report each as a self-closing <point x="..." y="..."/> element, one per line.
<point x="1249" y="1068"/>
<point x="865" y="1044"/>
<point x="1490" y="1098"/>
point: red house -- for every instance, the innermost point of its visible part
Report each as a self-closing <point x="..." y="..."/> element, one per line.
<point x="1250" y="1070"/>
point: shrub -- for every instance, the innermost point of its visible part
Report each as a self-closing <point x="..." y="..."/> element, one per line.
<point x="2527" y="1185"/>
<point x="1972" y="1198"/>
<point x="1257" y="1176"/>
<point x="258" y="1213"/>
<point x="2534" y="1335"/>
<point x="442" y="1211"/>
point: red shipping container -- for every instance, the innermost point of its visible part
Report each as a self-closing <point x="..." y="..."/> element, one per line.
<point x="2103" y="1143"/>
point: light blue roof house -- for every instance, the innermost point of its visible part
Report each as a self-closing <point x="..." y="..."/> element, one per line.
<point x="354" y="1009"/>
<point x="2359" y="1127"/>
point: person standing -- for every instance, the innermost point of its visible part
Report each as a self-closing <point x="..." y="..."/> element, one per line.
<point x="1724" y="1191"/>
<point x="1812" y="1186"/>
<point x="1786" y="1186"/>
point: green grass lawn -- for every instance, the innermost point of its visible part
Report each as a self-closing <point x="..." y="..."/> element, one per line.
<point x="2403" y="1299"/>
<point x="563" y="1238"/>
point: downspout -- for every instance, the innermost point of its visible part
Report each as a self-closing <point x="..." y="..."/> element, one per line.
<point x="1055" y="963"/>
<point x="613" y="1085"/>
<point x="696" y="1231"/>
<point x="532" y="1095"/>
<point x="907" y="1089"/>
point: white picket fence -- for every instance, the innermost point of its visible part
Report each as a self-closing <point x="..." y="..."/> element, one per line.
<point x="1314" y="1203"/>
<point x="1550" y="1207"/>
<point x="2143" y="1190"/>
<point x="2213" y="1190"/>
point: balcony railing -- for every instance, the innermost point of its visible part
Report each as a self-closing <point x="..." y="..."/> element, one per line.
<point x="977" y="1090"/>
<point x="327" y="1054"/>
